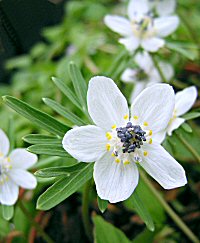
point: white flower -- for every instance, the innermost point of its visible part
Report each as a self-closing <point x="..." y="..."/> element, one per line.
<point x="118" y="141"/>
<point x="13" y="172"/>
<point x="184" y="100"/>
<point x="141" y="29"/>
<point x="163" y="7"/>
<point x="146" y="75"/>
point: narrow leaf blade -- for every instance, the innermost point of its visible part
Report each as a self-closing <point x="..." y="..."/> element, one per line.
<point x="64" y="188"/>
<point x="102" y="204"/>
<point x="39" y="118"/>
<point x="41" y="139"/>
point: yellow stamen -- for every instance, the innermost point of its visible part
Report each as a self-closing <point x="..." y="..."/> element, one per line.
<point x="114" y="127"/>
<point x="117" y="160"/>
<point x="150" y="141"/>
<point x="126" y="162"/>
<point x="150" y="132"/>
<point x="146" y="124"/>
<point x="145" y="153"/>
<point x="126" y="117"/>
<point x="8" y="159"/>
<point x="108" y="147"/>
<point x="108" y="135"/>
<point x="113" y="155"/>
<point x="135" y="117"/>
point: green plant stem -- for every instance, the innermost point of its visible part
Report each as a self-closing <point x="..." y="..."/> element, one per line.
<point x="158" y="68"/>
<point x="85" y="210"/>
<point x="189" y="147"/>
<point x="34" y="223"/>
<point x="170" y="211"/>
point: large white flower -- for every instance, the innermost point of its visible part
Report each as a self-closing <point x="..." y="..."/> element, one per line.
<point x="146" y="74"/>
<point x="13" y="172"/>
<point x="184" y="100"/>
<point x="141" y="29"/>
<point x="119" y="140"/>
<point x="163" y="7"/>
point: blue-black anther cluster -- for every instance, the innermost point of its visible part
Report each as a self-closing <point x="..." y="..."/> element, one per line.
<point x="131" y="136"/>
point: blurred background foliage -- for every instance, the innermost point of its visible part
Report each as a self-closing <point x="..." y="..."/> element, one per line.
<point x="81" y="36"/>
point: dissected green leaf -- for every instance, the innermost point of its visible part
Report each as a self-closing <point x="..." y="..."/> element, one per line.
<point x="39" y="118"/>
<point x="7" y="212"/>
<point x="186" y="127"/>
<point x="64" y="112"/>
<point x="66" y="91"/>
<point x="188" y="50"/>
<point x="79" y="84"/>
<point x="191" y="115"/>
<point x="41" y="139"/>
<point x="48" y="149"/>
<point x="142" y="211"/>
<point x="102" y="204"/>
<point x="60" y="171"/>
<point x="107" y="233"/>
<point x="64" y="188"/>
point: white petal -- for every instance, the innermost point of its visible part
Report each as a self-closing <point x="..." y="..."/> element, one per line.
<point x="87" y="143"/>
<point x="9" y="192"/>
<point x="166" y="7"/>
<point x="144" y="61"/>
<point x="164" y="26"/>
<point x="4" y="144"/>
<point x="159" y="137"/>
<point x="174" y="124"/>
<point x="118" y="24"/>
<point x="185" y="99"/>
<point x="129" y="75"/>
<point x="106" y="104"/>
<point x="138" y="88"/>
<point x="22" y="159"/>
<point x="137" y="9"/>
<point x="167" y="70"/>
<point x="155" y="106"/>
<point x="114" y="181"/>
<point x="152" y="44"/>
<point x="131" y="43"/>
<point x="23" y="178"/>
<point x="163" y="167"/>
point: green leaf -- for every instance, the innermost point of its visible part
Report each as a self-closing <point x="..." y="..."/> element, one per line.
<point x="39" y="118"/>
<point x="79" y="84"/>
<point x="64" y="112"/>
<point x="187" y="50"/>
<point x="60" y="171"/>
<point x="64" y="188"/>
<point x="186" y="127"/>
<point x="7" y="212"/>
<point x="191" y="115"/>
<point x="66" y="91"/>
<point x="41" y="139"/>
<point x="102" y="204"/>
<point x="107" y="233"/>
<point x="49" y="149"/>
<point x="142" y="211"/>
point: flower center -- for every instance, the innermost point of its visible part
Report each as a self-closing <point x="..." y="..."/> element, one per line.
<point x="131" y="136"/>
<point x="144" y="27"/>
<point x="5" y="166"/>
<point x="141" y="75"/>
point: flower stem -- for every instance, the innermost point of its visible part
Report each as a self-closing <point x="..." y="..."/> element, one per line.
<point x="85" y="210"/>
<point x="158" y="68"/>
<point x="189" y="147"/>
<point x="170" y="211"/>
<point x="34" y="223"/>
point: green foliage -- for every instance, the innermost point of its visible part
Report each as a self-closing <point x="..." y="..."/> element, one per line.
<point x="102" y="204"/>
<point x="106" y="232"/>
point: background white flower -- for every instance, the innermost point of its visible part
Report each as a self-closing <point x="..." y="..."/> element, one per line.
<point x="184" y="100"/>
<point x="163" y="7"/>
<point x="141" y="29"/>
<point x="13" y="172"/>
<point x="146" y="74"/>
<point x="118" y="141"/>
